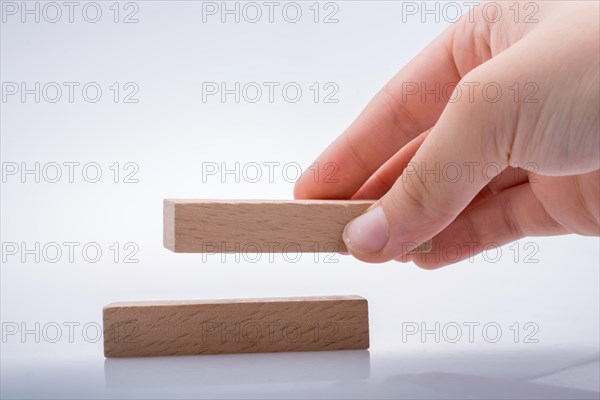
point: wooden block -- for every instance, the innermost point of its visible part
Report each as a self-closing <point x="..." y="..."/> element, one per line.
<point x="135" y="329"/>
<point x="209" y="226"/>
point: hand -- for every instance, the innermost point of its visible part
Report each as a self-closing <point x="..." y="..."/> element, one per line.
<point x="510" y="149"/>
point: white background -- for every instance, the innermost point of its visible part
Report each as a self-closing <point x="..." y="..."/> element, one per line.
<point x="170" y="134"/>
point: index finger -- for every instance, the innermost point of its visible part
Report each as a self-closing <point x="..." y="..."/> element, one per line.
<point x="409" y="104"/>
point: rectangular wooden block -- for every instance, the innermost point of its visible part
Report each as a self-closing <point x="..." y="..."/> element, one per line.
<point x="135" y="329"/>
<point x="211" y="226"/>
<point x="208" y="226"/>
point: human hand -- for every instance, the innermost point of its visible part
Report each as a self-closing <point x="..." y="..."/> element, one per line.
<point x="471" y="168"/>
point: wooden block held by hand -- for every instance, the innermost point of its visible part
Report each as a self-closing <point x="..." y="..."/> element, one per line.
<point x="210" y="226"/>
<point x="149" y="328"/>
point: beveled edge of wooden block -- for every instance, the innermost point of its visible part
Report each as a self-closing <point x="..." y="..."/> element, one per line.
<point x="159" y="303"/>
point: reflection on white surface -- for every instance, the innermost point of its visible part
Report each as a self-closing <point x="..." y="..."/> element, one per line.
<point x="237" y="369"/>
<point x="564" y="374"/>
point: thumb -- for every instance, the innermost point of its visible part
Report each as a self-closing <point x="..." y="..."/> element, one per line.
<point x="469" y="145"/>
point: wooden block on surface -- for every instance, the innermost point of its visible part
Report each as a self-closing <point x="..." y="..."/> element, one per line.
<point x="211" y="226"/>
<point x="148" y="328"/>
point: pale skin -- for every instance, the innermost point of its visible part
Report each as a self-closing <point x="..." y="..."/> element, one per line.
<point x="545" y="148"/>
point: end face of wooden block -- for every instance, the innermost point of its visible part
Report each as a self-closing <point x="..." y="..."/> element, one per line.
<point x="169" y="224"/>
<point x="235" y="326"/>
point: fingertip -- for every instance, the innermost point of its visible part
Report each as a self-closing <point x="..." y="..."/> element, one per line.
<point x="300" y="191"/>
<point x="368" y="233"/>
<point x="306" y="188"/>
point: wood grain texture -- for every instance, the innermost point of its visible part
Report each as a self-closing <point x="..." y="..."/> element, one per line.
<point x="135" y="329"/>
<point x="209" y="226"/>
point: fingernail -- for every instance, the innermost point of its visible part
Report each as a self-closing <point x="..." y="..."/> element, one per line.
<point x="368" y="233"/>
